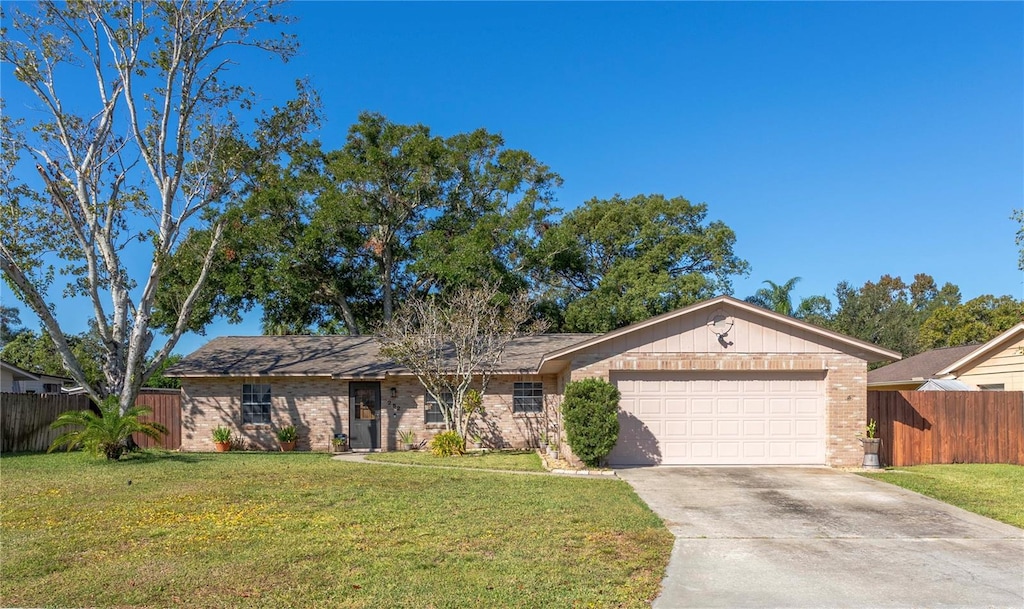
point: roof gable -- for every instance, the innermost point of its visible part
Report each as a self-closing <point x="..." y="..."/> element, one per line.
<point x="980" y="353"/>
<point x="688" y="330"/>
<point x="919" y="367"/>
<point x="19" y="373"/>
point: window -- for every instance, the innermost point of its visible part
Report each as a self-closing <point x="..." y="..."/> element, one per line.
<point x="433" y="413"/>
<point x="528" y="397"/>
<point x="256" y="404"/>
<point x="993" y="387"/>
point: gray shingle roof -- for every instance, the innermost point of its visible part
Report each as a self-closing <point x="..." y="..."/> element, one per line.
<point x="338" y="356"/>
<point x="921" y="366"/>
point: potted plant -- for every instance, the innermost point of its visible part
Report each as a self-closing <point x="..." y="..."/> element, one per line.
<point x="408" y="438"/>
<point x="286" y="437"/>
<point x="339" y="442"/>
<point x="222" y="439"/>
<point x="871" y="444"/>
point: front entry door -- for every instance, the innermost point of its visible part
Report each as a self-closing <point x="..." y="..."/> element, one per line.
<point x="364" y="415"/>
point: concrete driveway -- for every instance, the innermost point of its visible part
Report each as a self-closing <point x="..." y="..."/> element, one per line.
<point x="817" y="537"/>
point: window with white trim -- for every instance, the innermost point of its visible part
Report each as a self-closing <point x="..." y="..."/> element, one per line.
<point x="256" y="404"/>
<point x="528" y="396"/>
<point x="992" y="387"/>
<point x="432" y="411"/>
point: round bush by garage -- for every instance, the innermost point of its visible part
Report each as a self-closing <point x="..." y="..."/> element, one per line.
<point x="590" y="409"/>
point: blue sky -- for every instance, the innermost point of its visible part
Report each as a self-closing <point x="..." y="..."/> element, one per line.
<point x="840" y="141"/>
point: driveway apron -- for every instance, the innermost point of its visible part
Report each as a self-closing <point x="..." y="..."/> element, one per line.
<point x="817" y="537"/>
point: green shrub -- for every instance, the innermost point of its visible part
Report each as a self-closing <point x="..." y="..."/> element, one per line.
<point x="287" y="434"/>
<point x="107" y="433"/>
<point x="447" y="444"/>
<point x="590" y="410"/>
<point x="221" y="434"/>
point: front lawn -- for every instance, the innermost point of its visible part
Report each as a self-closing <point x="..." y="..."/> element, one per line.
<point x="300" y="530"/>
<point x="519" y="461"/>
<point x="993" y="490"/>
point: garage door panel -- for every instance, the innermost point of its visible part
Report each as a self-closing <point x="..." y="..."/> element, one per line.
<point x="702" y="405"/>
<point x="676" y="450"/>
<point x="728" y="428"/>
<point x="806" y="405"/>
<point x="699" y="386"/>
<point x="754" y="450"/>
<point x="650" y="406"/>
<point x="675" y="406"/>
<point x="730" y="386"/>
<point x="753" y="405"/>
<point x="700" y="450"/>
<point x="728" y="450"/>
<point x="808" y="429"/>
<point x="702" y="428"/>
<point x="728" y="405"/>
<point x="722" y="418"/>
<point x="676" y="428"/>
<point x="753" y="429"/>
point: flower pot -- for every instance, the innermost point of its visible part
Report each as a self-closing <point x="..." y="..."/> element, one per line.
<point x="408" y="446"/>
<point x="871" y="446"/>
<point x="222" y="447"/>
<point x="287" y="446"/>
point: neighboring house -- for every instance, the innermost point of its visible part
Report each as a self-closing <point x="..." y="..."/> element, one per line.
<point x="719" y="382"/>
<point x="909" y="374"/>
<point x="17" y="380"/>
<point x="997" y="365"/>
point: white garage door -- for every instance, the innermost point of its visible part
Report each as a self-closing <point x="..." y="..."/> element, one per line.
<point x="704" y="418"/>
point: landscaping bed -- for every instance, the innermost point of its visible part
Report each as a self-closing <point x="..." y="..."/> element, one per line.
<point x="301" y="530"/>
<point x="992" y="490"/>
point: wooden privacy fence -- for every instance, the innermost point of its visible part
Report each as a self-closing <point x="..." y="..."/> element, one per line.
<point x="919" y="427"/>
<point x="25" y="418"/>
<point x="166" y="407"/>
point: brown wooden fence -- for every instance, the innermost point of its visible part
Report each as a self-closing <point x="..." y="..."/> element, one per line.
<point x="918" y="427"/>
<point x="25" y="418"/>
<point x="166" y="407"/>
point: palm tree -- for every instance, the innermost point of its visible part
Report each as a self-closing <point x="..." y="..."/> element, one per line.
<point x="775" y="297"/>
<point x="107" y="433"/>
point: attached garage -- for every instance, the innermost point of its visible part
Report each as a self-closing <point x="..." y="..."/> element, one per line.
<point x="738" y="418"/>
<point x="724" y="382"/>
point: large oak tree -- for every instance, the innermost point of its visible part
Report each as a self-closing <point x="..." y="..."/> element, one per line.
<point x="610" y="263"/>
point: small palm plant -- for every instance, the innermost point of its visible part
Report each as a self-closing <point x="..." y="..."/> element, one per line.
<point x="106" y="433"/>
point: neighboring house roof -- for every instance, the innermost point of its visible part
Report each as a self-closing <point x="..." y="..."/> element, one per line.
<point x="20" y="374"/>
<point x="945" y="385"/>
<point x="870" y="352"/>
<point x="973" y="357"/>
<point x="918" y="368"/>
<point x="336" y="356"/>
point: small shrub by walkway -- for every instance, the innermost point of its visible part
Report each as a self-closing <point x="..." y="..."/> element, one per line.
<point x="301" y="530"/>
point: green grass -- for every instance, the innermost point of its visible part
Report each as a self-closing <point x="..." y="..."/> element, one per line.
<point x="996" y="491"/>
<point x="519" y="461"/>
<point x="300" y="530"/>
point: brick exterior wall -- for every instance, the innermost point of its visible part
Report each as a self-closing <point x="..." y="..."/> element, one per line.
<point x="845" y="385"/>
<point x="319" y="408"/>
